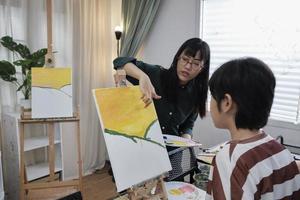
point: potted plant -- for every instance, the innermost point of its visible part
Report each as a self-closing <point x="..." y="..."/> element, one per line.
<point x="25" y="60"/>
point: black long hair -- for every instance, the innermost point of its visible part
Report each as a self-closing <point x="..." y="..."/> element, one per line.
<point x="170" y="80"/>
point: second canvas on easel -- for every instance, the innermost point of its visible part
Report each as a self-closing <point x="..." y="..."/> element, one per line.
<point x="52" y="92"/>
<point x="132" y="135"/>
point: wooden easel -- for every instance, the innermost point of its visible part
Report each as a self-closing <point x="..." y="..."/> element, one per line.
<point x="49" y="58"/>
<point x="26" y="119"/>
<point x="152" y="190"/>
<point x="52" y="183"/>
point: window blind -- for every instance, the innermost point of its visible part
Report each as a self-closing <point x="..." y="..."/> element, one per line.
<point x="265" y="29"/>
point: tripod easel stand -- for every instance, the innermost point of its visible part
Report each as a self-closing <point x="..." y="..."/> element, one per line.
<point x="25" y="186"/>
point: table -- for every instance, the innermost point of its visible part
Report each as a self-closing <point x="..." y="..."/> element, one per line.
<point x="205" y="158"/>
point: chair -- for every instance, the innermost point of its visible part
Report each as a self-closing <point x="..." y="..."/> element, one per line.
<point x="292" y="148"/>
<point x="184" y="163"/>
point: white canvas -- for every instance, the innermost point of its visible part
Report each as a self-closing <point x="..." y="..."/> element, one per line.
<point x="51" y="93"/>
<point x="133" y="160"/>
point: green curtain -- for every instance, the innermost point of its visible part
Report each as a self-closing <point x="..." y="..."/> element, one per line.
<point x="137" y="17"/>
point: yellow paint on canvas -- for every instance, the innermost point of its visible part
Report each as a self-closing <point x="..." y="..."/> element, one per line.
<point x="51" y="77"/>
<point x="123" y="111"/>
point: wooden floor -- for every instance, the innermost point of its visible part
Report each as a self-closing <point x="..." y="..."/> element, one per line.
<point x="99" y="186"/>
<point x="95" y="186"/>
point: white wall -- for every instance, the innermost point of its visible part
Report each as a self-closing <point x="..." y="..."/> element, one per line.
<point x="177" y="21"/>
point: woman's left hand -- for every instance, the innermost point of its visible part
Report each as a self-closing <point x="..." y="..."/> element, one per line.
<point x="147" y="90"/>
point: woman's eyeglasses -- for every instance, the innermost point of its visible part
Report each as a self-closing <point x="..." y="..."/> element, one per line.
<point x="196" y="64"/>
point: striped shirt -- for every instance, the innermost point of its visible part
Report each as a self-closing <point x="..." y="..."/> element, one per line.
<point x="254" y="168"/>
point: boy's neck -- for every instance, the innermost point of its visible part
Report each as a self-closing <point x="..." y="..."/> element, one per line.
<point x="242" y="134"/>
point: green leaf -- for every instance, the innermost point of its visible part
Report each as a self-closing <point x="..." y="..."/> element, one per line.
<point x="38" y="58"/>
<point x="23" y="50"/>
<point x="39" y="54"/>
<point x="12" y="79"/>
<point x="39" y="62"/>
<point x="22" y="62"/>
<point x="8" y="78"/>
<point x="8" y="42"/>
<point x="6" y="68"/>
<point x="7" y="71"/>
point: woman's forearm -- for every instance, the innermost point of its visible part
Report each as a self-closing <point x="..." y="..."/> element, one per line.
<point x="133" y="71"/>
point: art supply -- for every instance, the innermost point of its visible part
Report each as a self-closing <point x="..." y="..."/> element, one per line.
<point x="175" y="141"/>
<point x="183" y="191"/>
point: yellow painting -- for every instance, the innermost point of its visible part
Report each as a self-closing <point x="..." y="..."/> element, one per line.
<point x="123" y="113"/>
<point x="51" y="77"/>
<point x="132" y="135"/>
<point x="51" y="92"/>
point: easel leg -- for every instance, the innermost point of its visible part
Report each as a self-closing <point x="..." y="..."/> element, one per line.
<point x="79" y="156"/>
<point x="161" y="186"/>
<point x="132" y="194"/>
<point x="51" y="152"/>
<point x="22" y="166"/>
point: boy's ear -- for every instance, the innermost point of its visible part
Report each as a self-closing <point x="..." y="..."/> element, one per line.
<point x="227" y="103"/>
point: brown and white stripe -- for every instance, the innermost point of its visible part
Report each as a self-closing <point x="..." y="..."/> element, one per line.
<point x="256" y="168"/>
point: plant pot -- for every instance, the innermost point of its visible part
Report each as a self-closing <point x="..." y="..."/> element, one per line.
<point x="25" y="103"/>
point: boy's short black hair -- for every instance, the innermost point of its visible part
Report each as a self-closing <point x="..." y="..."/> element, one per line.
<point x="250" y="83"/>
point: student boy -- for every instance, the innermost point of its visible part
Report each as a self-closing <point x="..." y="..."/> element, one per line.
<point x="252" y="165"/>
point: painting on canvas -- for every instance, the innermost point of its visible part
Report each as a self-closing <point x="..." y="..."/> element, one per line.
<point x="132" y="134"/>
<point x="51" y="92"/>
